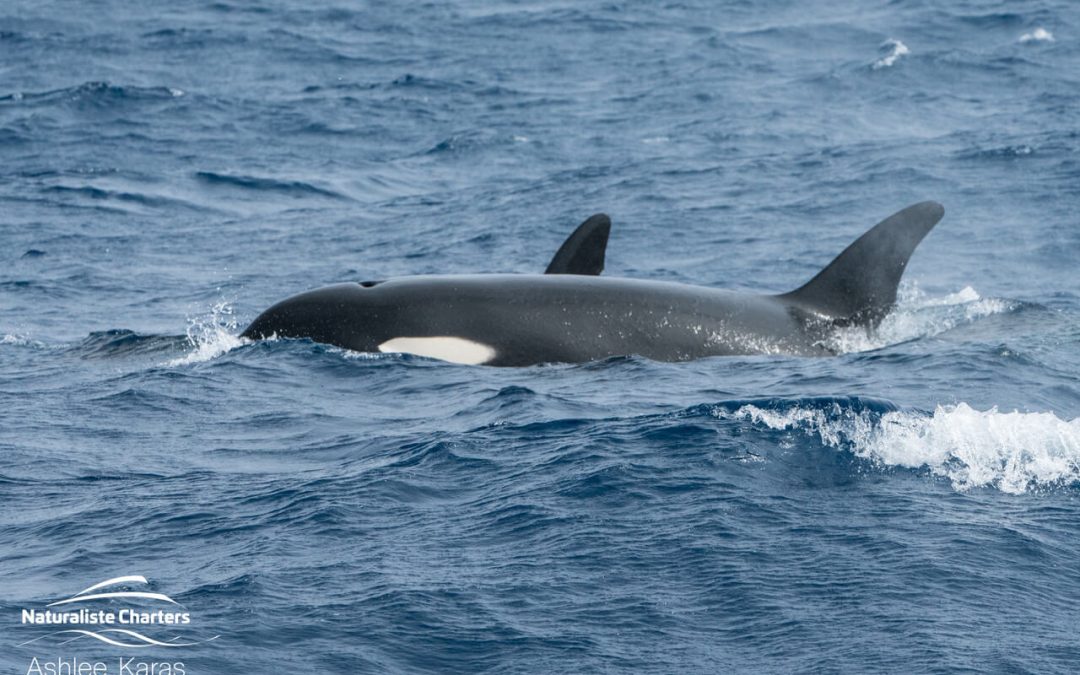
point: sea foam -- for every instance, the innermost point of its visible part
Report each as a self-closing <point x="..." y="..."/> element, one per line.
<point x="893" y="49"/>
<point x="918" y="315"/>
<point x="210" y="335"/>
<point x="1037" y="35"/>
<point x="1015" y="452"/>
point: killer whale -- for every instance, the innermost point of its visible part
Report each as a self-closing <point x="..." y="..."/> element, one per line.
<point x="571" y="314"/>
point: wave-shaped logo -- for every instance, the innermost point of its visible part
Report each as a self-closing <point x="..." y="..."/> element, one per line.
<point x="88" y="593"/>
<point x="125" y="627"/>
<point x="141" y="640"/>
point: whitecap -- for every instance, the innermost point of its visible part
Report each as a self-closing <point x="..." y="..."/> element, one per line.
<point x="895" y="48"/>
<point x="20" y="341"/>
<point x="1037" y="35"/>
<point x="918" y="315"/>
<point x="1015" y="452"/>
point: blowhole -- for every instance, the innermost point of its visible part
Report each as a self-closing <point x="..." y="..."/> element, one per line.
<point x="370" y="284"/>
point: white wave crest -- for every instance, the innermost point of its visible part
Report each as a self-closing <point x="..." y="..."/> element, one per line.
<point x="1037" y="35"/>
<point x="210" y="335"/>
<point x="20" y="341"/>
<point x="895" y="48"/>
<point x="917" y="315"/>
<point x="1012" y="451"/>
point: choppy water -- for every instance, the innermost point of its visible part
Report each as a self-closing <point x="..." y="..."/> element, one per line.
<point x="169" y="170"/>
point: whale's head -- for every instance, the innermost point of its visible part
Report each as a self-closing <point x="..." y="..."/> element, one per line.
<point x="364" y="318"/>
<point x="329" y="315"/>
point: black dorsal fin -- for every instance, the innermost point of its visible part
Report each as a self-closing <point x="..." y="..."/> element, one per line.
<point x="583" y="251"/>
<point x="860" y="285"/>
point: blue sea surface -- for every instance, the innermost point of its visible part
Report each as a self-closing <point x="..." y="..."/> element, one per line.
<point x="170" y="169"/>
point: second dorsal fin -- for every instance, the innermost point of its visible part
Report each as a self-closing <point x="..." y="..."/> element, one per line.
<point x="583" y="251"/>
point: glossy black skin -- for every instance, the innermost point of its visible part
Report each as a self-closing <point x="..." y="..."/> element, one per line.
<point x="570" y="316"/>
<point x="531" y="319"/>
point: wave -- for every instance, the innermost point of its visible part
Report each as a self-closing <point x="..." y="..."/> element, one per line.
<point x="96" y="94"/>
<point x="1015" y="452"/>
<point x="210" y="336"/>
<point x="9" y="136"/>
<point x="990" y="20"/>
<point x="293" y="188"/>
<point x="207" y="336"/>
<point x="123" y="342"/>
<point x="1005" y="152"/>
<point x="917" y="315"/>
<point x="473" y="141"/>
<point x="12" y="339"/>
<point x="109" y="195"/>
<point x="893" y="49"/>
<point x="1037" y="35"/>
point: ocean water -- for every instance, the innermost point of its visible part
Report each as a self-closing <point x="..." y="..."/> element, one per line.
<point x="170" y="169"/>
